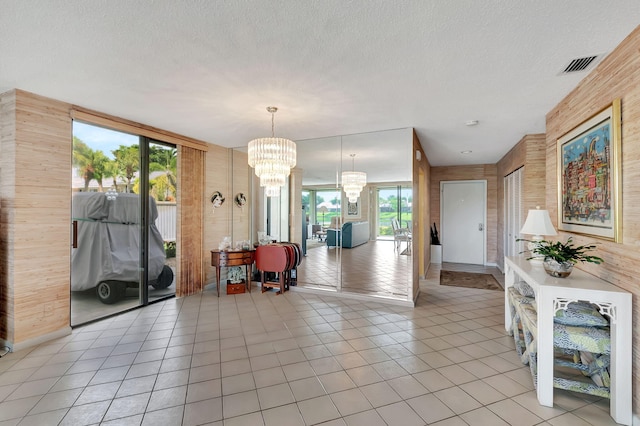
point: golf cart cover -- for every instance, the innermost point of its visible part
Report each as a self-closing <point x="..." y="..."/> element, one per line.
<point x="109" y="240"/>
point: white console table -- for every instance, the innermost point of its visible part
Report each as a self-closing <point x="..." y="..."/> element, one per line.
<point x="553" y="294"/>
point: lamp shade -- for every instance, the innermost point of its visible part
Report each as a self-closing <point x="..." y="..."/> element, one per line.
<point x="538" y="223"/>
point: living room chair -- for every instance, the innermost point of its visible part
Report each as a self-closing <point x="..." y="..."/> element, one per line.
<point x="401" y="235"/>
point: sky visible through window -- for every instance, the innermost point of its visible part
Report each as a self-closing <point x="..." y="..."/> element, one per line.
<point x="99" y="138"/>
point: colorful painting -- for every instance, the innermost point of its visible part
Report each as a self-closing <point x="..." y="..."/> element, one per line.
<point x="588" y="159"/>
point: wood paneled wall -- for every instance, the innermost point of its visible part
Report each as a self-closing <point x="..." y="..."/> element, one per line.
<point x="217" y="222"/>
<point x="35" y="193"/>
<point x="530" y="152"/>
<point x="35" y="209"/>
<point x="421" y="215"/>
<point x="486" y="172"/>
<point x="617" y="76"/>
<point x="240" y="183"/>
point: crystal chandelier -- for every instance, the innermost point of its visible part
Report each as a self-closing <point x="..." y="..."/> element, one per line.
<point x="353" y="182"/>
<point x="272" y="159"/>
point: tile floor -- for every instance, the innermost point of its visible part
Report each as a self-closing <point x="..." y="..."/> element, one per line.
<point x="294" y="359"/>
<point x="371" y="268"/>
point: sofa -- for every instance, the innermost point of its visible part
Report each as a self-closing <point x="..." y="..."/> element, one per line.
<point x="353" y="235"/>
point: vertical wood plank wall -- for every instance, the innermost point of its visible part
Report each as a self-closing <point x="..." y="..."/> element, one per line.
<point x="217" y="224"/>
<point x="531" y="153"/>
<point x="7" y="195"/>
<point x="486" y="172"/>
<point x="240" y="183"/>
<point x="617" y="76"/>
<point x="422" y="219"/>
<point x="36" y="205"/>
<point x="190" y="216"/>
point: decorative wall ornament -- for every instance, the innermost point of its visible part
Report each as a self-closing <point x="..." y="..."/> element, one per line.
<point x="217" y="199"/>
<point x="240" y="199"/>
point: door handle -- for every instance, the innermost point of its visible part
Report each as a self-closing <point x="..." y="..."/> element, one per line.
<point x="74" y="238"/>
<point x="480" y="227"/>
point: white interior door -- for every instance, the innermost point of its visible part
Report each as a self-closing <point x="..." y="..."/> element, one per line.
<point x="463" y="221"/>
<point x="513" y="213"/>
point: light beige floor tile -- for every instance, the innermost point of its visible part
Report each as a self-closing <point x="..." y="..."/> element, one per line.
<point x="56" y="400"/>
<point x="238" y="383"/>
<point x="287" y="415"/>
<point x="514" y="413"/>
<point x="336" y="382"/>
<point x="49" y="418"/>
<point x="380" y="394"/>
<point x="350" y="402"/>
<point x="269" y="377"/>
<point x="483" y="417"/>
<point x="430" y="408"/>
<point x="85" y="414"/>
<point x="458" y="400"/>
<point x="365" y="418"/>
<point x="127" y="406"/>
<point x="399" y="413"/>
<point x="275" y="396"/>
<point x="407" y="387"/>
<point x="240" y="403"/>
<point x="318" y="410"/>
<point x="170" y="397"/>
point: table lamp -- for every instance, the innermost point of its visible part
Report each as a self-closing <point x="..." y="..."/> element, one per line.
<point x="538" y="224"/>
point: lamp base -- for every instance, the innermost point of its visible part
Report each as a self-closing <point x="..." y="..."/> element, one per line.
<point x="532" y="245"/>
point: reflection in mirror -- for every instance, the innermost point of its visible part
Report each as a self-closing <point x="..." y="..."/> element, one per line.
<point x="351" y="246"/>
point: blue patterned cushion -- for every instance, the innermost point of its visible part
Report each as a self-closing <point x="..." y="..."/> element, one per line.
<point x="524" y="289"/>
<point x="580" y="314"/>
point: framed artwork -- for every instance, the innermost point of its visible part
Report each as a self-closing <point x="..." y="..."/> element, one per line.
<point x="589" y="187"/>
<point x="353" y="210"/>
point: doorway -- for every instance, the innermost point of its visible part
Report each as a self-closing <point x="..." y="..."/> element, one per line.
<point x="123" y="222"/>
<point x="393" y="202"/>
<point x="463" y="221"/>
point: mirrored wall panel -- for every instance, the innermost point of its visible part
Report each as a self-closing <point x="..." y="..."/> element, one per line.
<point x="358" y="238"/>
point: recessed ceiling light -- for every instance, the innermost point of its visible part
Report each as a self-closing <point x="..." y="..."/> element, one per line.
<point x="468" y="151"/>
<point x="471" y="123"/>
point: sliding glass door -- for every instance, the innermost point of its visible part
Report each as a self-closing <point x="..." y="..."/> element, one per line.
<point x="394" y="202"/>
<point x="123" y="221"/>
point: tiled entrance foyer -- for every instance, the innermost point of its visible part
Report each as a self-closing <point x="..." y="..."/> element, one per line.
<point x="296" y="359"/>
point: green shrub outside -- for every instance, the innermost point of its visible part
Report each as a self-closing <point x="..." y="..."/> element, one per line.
<point x="170" y="249"/>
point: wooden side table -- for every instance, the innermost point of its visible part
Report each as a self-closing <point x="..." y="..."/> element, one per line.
<point x="220" y="258"/>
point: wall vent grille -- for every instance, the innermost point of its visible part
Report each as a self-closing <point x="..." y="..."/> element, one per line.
<point x="579" y="64"/>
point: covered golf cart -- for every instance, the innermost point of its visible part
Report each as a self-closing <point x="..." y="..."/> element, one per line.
<point x="107" y="255"/>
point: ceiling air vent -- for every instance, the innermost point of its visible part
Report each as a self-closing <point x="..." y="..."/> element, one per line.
<point x="579" y="64"/>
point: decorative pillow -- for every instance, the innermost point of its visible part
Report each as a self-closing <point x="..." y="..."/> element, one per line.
<point x="581" y="314"/>
<point x="524" y="289"/>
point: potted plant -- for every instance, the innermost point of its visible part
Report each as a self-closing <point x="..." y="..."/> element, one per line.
<point x="560" y="257"/>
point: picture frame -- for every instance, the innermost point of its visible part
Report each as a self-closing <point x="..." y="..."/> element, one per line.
<point x="589" y="173"/>
<point x="353" y="210"/>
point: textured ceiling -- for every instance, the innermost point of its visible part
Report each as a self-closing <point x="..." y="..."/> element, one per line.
<point x="208" y="69"/>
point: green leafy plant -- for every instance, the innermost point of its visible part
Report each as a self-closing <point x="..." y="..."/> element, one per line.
<point x="564" y="252"/>
<point x="170" y="249"/>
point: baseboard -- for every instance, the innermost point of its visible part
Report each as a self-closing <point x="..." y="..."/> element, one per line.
<point x="5" y="347"/>
<point x="40" y="339"/>
<point x="362" y="297"/>
<point x="495" y="265"/>
<point x="415" y="298"/>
